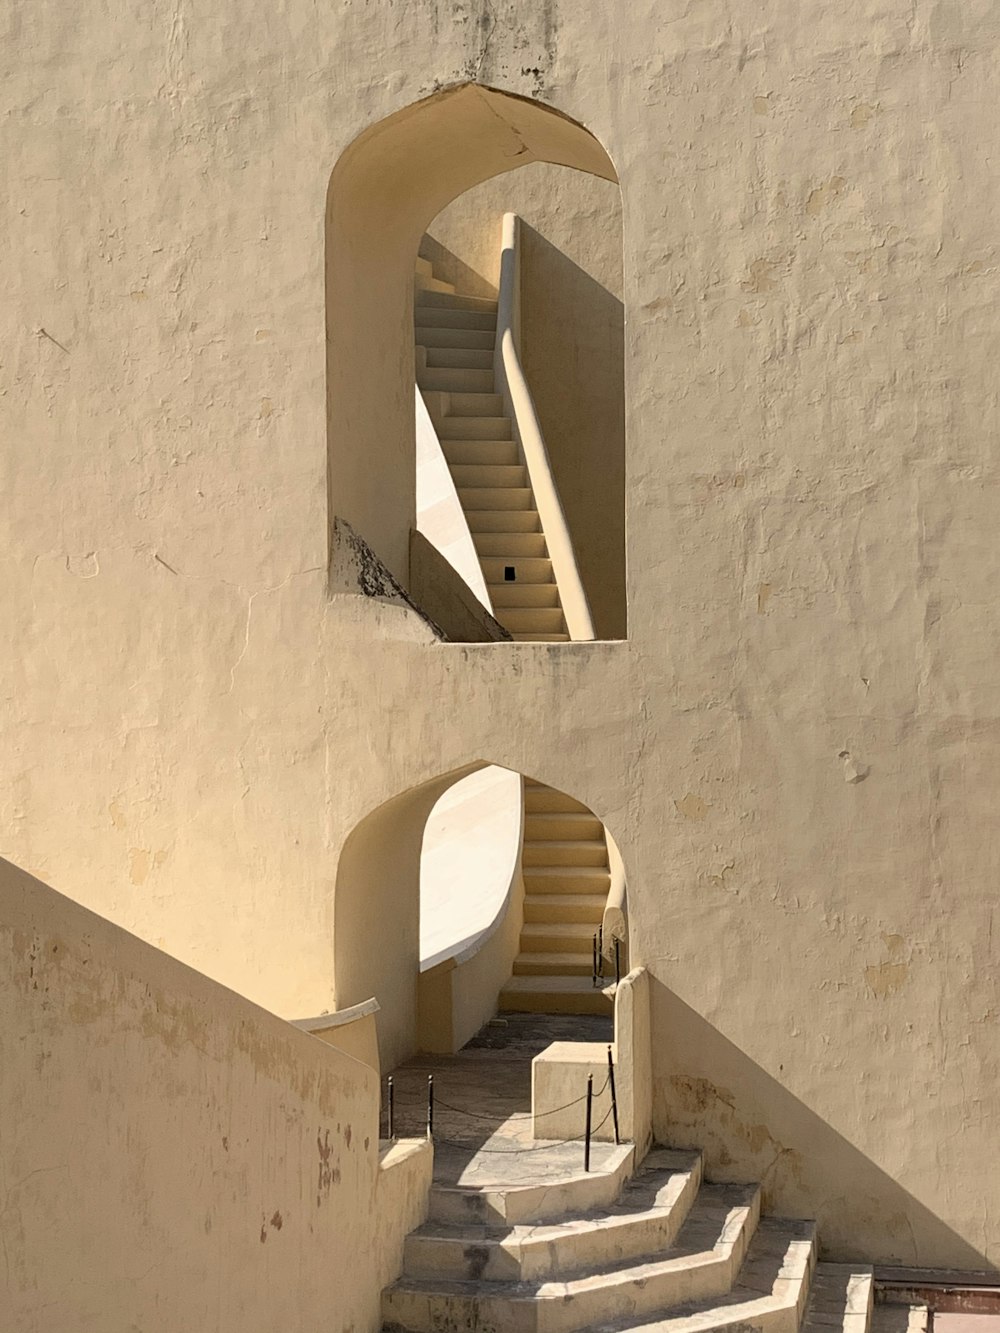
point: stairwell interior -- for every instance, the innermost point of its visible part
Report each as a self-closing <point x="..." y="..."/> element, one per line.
<point x="455" y="337"/>
<point x="567" y="876"/>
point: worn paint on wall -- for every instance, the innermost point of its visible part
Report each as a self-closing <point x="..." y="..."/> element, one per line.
<point x="174" y="1157"/>
<point x="809" y="404"/>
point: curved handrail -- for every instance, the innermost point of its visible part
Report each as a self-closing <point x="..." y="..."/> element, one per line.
<point x="614" y="924"/>
<point x="461" y="951"/>
<point x="340" y="1018"/>
<point x="511" y="384"/>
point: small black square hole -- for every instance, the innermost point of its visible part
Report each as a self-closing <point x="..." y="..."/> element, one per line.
<point x="509" y="574"/>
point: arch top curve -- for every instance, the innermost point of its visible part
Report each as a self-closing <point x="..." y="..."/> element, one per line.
<point x="461" y="135"/>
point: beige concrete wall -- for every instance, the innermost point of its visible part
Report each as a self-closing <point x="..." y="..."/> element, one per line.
<point x="572" y="344"/>
<point x="174" y="1157"/>
<point x="193" y="726"/>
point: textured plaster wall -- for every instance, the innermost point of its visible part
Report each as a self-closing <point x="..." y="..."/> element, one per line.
<point x="796" y="751"/>
<point x="173" y="1156"/>
<point x="572" y="344"/>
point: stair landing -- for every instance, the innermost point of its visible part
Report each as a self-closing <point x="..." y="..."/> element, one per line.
<point x="482" y="1106"/>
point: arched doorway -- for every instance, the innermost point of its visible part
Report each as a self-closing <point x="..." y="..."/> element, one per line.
<point x="565" y="892"/>
<point x="385" y="191"/>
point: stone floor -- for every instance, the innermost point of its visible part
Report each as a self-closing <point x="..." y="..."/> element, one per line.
<point x="482" y="1103"/>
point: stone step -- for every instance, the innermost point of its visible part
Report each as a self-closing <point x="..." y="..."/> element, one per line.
<point x="525" y="569"/>
<point x="423" y="282"/>
<point x="459" y="358"/>
<point x="701" y="1264"/>
<point x="501" y="521"/>
<point x="570" y="852"/>
<point x="841" y="1298"/>
<point x="548" y="994"/>
<point x="533" y="619"/>
<point x="469" y="453"/>
<point x="456" y="380"/>
<point x="566" y="879"/>
<point x="453" y="427"/>
<point x="559" y="1190"/>
<point x="481" y="498"/>
<point x="559" y="824"/>
<point x="573" y="937"/>
<point x="770" y="1295"/>
<point x="504" y="545"/>
<point x="561" y="965"/>
<point x="475" y="337"/>
<point x="468" y="476"/>
<point x="475" y="404"/>
<point x="554" y="636"/>
<point x="507" y="595"/>
<point x="645" y="1220"/>
<point x="547" y="798"/>
<point x="453" y="301"/>
<point x="899" y="1317"/>
<point x="542" y="907"/>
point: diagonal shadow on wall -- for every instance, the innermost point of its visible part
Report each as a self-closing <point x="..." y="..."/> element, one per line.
<point x="709" y="1094"/>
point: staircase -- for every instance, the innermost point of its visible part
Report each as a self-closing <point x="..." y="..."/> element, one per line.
<point x="566" y="880"/>
<point x="455" y="337"/>
<point x="666" y="1253"/>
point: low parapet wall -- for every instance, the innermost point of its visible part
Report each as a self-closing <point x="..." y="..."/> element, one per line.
<point x="173" y="1156"/>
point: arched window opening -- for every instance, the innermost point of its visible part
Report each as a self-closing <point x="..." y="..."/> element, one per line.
<point x="511" y="472"/>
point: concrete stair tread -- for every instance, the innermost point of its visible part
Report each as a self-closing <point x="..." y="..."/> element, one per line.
<point x="527" y="1193"/>
<point x="512" y="596"/>
<point x="551" y="981"/>
<point x="596" y="873"/>
<point x="468" y="338"/>
<point x="455" y="379"/>
<point x="479" y="498"/>
<point x="650" y="1211"/>
<point x="840" y="1297"/>
<point x="554" y="961"/>
<point x="553" y="636"/>
<point x="433" y="317"/>
<point x="495" y="522"/>
<point x="510" y="545"/>
<point x="488" y="474"/>
<point x="766" y="1295"/>
<point x="528" y="569"/>
<point x="475" y="427"/>
<point x="564" y="851"/>
<point x="576" y="930"/>
<point x="459" y="358"/>
<point x="454" y="301"/>
<point x="583" y="819"/>
<point x="700" y="1262"/>
<point x="899" y="1317"/>
<point x="570" y="900"/>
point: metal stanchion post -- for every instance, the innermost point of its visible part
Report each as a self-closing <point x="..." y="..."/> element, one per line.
<point x="391" y="1110"/>
<point x="590" y="1111"/>
<point x="430" y="1106"/>
<point x="614" y="1095"/>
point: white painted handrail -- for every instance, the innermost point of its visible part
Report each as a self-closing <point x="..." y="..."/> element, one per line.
<point x="511" y="384"/>
<point x="614" y="925"/>
<point x="339" y="1019"/>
